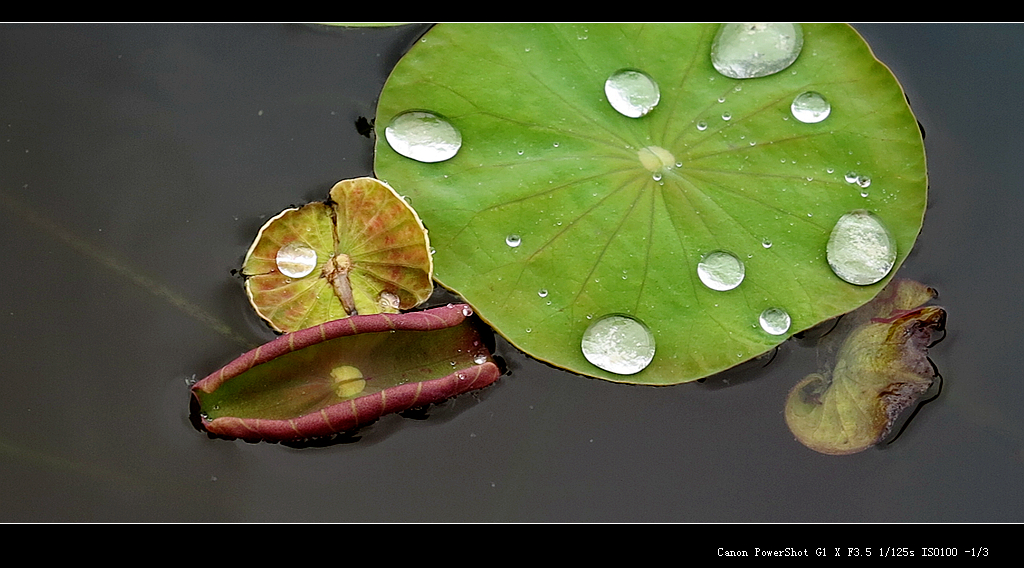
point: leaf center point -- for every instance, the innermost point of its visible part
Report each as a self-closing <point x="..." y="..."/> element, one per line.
<point x="656" y="159"/>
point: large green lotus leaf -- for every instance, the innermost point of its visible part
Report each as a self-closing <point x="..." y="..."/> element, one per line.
<point x="544" y="156"/>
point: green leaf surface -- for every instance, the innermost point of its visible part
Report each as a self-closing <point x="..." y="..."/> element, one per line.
<point x="614" y="213"/>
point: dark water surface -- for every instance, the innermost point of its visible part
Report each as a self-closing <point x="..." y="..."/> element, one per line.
<point x="137" y="163"/>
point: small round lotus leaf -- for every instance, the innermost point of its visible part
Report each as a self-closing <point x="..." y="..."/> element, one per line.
<point x="372" y="256"/>
<point x="613" y="213"/>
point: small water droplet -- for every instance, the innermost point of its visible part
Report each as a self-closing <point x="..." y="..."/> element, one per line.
<point x="656" y="176"/>
<point x="721" y="99"/>
<point x="520" y="152"/>
<point x="830" y="170"/>
<point x="726" y="116"/>
<point x="775" y="321"/>
<point x="863" y="181"/>
<point x="864" y="193"/>
<point x="543" y="293"/>
<point x="513" y="240"/>
<point x="423" y="136"/>
<point x="296" y="260"/>
<point x="766" y="243"/>
<point x="860" y="249"/>
<point x="467" y="311"/>
<point x="851" y="177"/>
<point x="480" y="359"/>
<point x="555" y="144"/>
<point x="810" y="107"/>
<point x="720" y="270"/>
<point x="632" y="93"/>
<point x="388" y="301"/>
<point x="748" y="50"/>
<point x="702" y="125"/>
<point x="618" y="344"/>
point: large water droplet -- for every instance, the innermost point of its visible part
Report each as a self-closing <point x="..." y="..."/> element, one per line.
<point x="296" y="260"/>
<point x="513" y="240"/>
<point x="810" y="107"/>
<point x="860" y="249"/>
<point x="774" y="321"/>
<point x="619" y="344"/>
<point x="720" y="270"/>
<point x="423" y="136"/>
<point x="632" y="93"/>
<point x="749" y="50"/>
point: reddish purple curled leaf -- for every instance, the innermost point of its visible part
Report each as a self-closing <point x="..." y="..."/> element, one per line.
<point x="345" y="373"/>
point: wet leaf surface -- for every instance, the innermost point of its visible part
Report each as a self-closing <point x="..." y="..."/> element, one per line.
<point x="555" y="190"/>
<point x="363" y="252"/>
<point x="878" y="369"/>
<point x="345" y="373"/>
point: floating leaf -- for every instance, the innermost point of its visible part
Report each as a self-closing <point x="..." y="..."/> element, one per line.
<point x="881" y="370"/>
<point x="363" y="252"/>
<point x="345" y="373"/>
<point x="554" y="188"/>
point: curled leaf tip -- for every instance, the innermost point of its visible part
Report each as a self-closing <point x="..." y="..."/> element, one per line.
<point x="881" y="369"/>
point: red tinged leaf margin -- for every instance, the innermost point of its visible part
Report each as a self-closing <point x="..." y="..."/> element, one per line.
<point x="452" y="366"/>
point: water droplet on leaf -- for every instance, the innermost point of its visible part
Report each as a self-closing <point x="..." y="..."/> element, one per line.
<point x="720" y="270"/>
<point x="632" y="93"/>
<point x="749" y="50"/>
<point x="810" y="107"/>
<point x="388" y="302"/>
<point x="423" y="136"/>
<point x="619" y="344"/>
<point x="513" y="240"/>
<point x="774" y="321"/>
<point x="860" y="249"/>
<point x="296" y="260"/>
